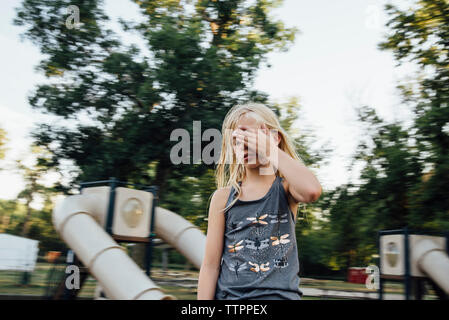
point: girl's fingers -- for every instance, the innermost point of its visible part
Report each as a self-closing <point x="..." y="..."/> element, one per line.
<point x="243" y="137"/>
<point x="265" y="129"/>
<point x="246" y="135"/>
<point x="252" y="138"/>
<point x="250" y="143"/>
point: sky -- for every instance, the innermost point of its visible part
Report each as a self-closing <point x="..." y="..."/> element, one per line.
<point x="333" y="67"/>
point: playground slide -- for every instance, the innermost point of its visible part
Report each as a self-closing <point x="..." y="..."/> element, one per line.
<point x="77" y="219"/>
<point x="433" y="261"/>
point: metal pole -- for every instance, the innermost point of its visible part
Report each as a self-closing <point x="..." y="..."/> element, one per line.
<point x="381" y="282"/>
<point x="418" y="288"/>
<point x="110" y="216"/>
<point x="149" y="246"/>
<point x="446" y="234"/>
<point x="407" y="264"/>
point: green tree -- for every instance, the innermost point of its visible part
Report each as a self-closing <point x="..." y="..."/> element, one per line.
<point x="3" y="140"/>
<point x="202" y="57"/>
<point x="41" y="225"/>
<point x="7" y="207"/>
<point x="420" y="35"/>
<point x="391" y="169"/>
<point x="405" y="169"/>
<point x="33" y="187"/>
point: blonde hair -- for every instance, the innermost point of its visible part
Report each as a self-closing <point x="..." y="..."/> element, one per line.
<point x="228" y="171"/>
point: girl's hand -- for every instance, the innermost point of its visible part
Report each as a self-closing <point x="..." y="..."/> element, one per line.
<point x="259" y="141"/>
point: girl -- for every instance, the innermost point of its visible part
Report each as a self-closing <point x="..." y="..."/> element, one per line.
<point x="251" y="250"/>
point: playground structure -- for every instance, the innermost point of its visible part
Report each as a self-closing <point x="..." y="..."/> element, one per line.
<point x="413" y="258"/>
<point x="91" y="222"/>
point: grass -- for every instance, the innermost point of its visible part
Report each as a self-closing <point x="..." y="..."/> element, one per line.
<point x="390" y="287"/>
<point x="40" y="279"/>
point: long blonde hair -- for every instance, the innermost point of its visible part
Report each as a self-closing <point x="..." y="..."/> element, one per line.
<point x="228" y="171"/>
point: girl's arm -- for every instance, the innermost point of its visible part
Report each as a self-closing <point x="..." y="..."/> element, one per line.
<point x="210" y="266"/>
<point x="303" y="186"/>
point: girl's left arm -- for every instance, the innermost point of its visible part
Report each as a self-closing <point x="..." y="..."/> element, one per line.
<point x="303" y="186"/>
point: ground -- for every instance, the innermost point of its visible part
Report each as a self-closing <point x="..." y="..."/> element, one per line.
<point x="176" y="281"/>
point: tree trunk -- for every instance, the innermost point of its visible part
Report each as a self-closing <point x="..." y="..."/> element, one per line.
<point x="163" y="169"/>
<point x="27" y="218"/>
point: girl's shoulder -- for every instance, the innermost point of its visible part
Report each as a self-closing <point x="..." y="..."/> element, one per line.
<point x="220" y="197"/>
<point x="222" y="192"/>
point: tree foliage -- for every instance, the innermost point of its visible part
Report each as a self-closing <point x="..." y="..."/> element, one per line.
<point x="420" y="35"/>
<point x="3" y="140"/>
<point x="200" y="59"/>
<point x="405" y="169"/>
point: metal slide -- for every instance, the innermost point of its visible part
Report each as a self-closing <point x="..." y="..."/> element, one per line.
<point x="77" y="219"/>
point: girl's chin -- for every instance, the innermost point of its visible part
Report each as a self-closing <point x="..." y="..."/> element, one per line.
<point x="251" y="164"/>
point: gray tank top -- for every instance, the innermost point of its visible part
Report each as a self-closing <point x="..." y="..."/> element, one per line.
<point x="260" y="256"/>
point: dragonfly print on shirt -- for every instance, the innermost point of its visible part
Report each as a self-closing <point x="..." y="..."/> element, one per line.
<point x="258" y="224"/>
<point x="280" y="242"/>
<point x="278" y="218"/>
<point x="259" y="264"/>
<point x="281" y="262"/>
<point x="237" y="267"/>
<point x="233" y="226"/>
<point x="257" y="244"/>
<point x="280" y="239"/>
<point x="235" y="246"/>
<point x="259" y="268"/>
<point x="258" y="220"/>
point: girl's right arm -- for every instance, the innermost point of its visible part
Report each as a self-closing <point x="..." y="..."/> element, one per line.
<point x="210" y="267"/>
